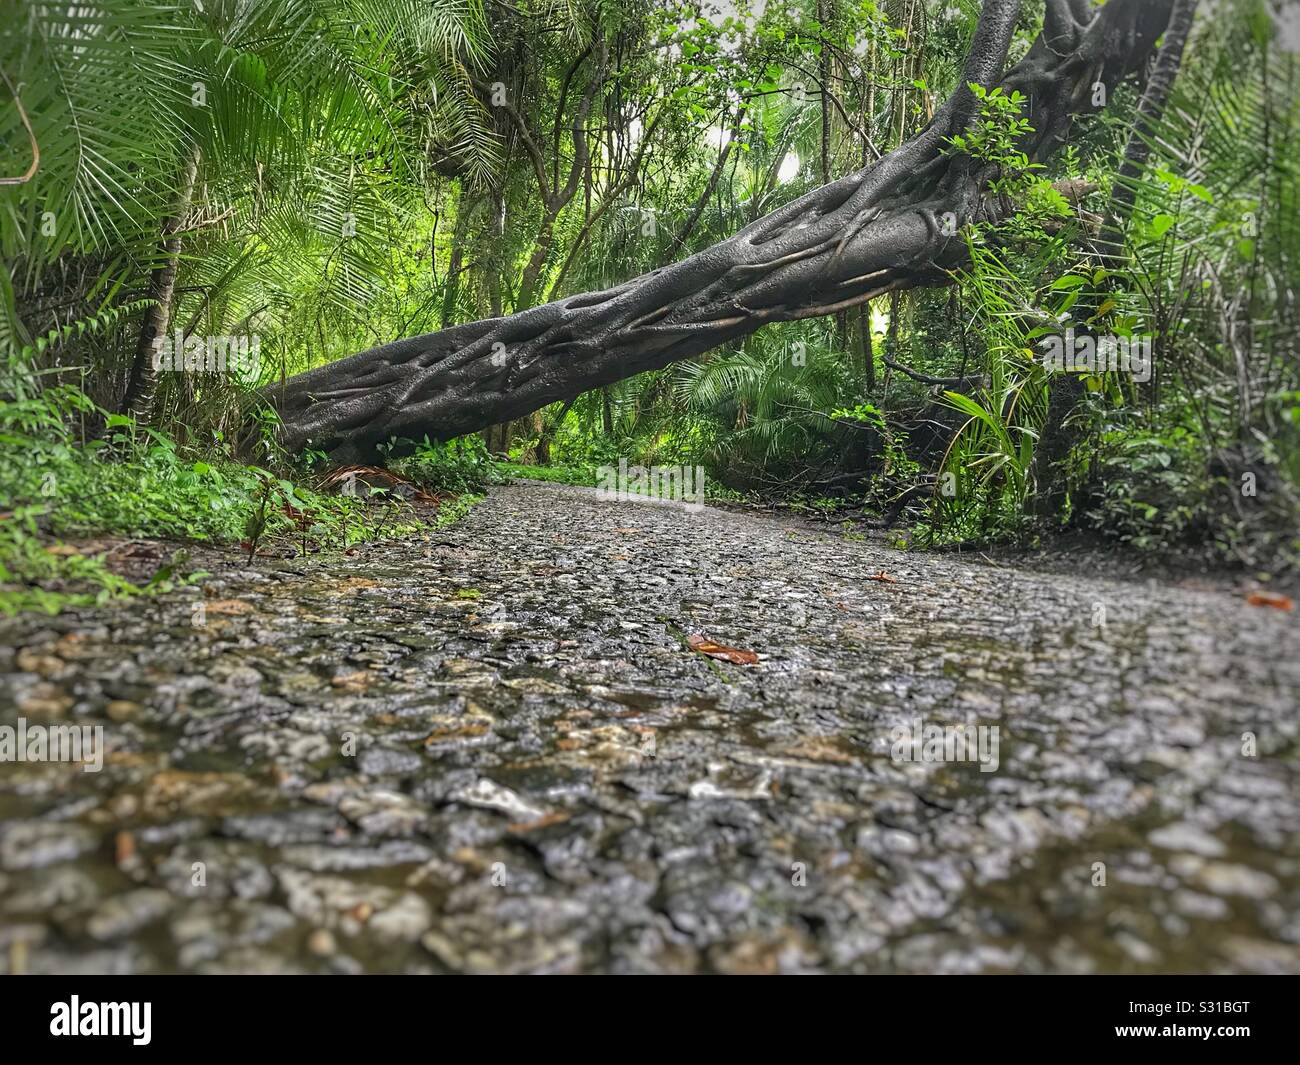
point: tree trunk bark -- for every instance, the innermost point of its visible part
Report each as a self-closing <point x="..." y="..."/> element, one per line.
<point x="824" y="17"/>
<point x="868" y="349"/>
<point x="872" y="232"/>
<point x="549" y="429"/>
<point x="451" y="291"/>
<point x="142" y="384"/>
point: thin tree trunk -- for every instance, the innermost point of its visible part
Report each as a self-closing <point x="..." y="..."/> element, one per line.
<point x="824" y="16"/>
<point x="451" y="290"/>
<point x="891" y="339"/>
<point x="898" y="117"/>
<point x="498" y="438"/>
<point x="142" y="384"/>
<point x="549" y="429"/>
<point x="869" y="125"/>
<point x="697" y="212"/>
<point x="868" y="348"/>
<point x="826" y="73"/>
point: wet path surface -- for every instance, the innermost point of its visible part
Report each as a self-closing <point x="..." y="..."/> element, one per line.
<point x="493" y="752"/>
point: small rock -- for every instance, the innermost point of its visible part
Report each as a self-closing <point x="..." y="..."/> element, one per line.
<point x="487" y="795"/>
<point x="122" y="710"/>
<point x="36" y="844"/>
<point x="1194" y="904"/>
<point x="321" y="943"/>
<point x="1224" y="879"/>
<point x="1188" y="838"/>
<point x="122" y="915"/>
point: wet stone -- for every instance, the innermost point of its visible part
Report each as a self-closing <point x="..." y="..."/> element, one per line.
<point x="384" y="813"/>
<point x="34" y="845"/>
<point x="336" y="859"/>
<point x="1188" y="838"/>
<point x="339" y="904"/>
<point x="1224" y="879"/>
<point x="122" y="915"/>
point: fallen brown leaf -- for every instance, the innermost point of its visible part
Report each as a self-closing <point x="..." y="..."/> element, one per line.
<point x="358" y="681"/>
<point x="361" y="912"/>
<point x="1273" y="599"/>
<point x="62" y="549"/>
<point x="355" y="584"/>
<point x="542" y="822"/>
<point x="124" y="848"/>
<point x="472" y="731"/>
<point x="375" y="477"/>
<point x="717" y="650"/>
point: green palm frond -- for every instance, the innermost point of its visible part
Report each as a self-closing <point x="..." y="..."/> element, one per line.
<point x="312" y="121"/>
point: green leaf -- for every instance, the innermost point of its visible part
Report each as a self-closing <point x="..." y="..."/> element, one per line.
<point x="1069" y="281"/>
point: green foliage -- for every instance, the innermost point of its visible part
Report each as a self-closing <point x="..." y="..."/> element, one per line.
<point x="584" y="475"/>
<point x="1215" y="253"/>
<point x="766" y="407"/>
<point x="310" y="125"/>
<point x="453" y="467"/>
<point x="995" y="135"/>
<point x="582" y="444"/>
<point x="1210" y="247"/>
<point x="1153" y="487"/>
<point x="989" y="459"/>
<point x="866" y="413"/>
<point x="137" y="482"/>
<point x="49" y="577"/>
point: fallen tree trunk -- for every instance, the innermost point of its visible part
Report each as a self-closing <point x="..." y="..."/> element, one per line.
<point x="872" y="232"/>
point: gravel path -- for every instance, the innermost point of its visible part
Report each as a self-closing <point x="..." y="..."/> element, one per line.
<point x="493" y="751"/>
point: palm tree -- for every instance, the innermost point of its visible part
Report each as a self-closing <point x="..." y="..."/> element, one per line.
<point x="248" y="130"/>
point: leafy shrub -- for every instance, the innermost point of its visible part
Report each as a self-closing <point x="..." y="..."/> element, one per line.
<point x="135" y="481"/>
<point x="1147" y="488"/>
<point x="454" y="467"/>
<point x="1153" y="484"/>
<point x="579" y="475"/>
